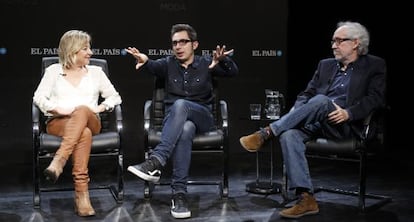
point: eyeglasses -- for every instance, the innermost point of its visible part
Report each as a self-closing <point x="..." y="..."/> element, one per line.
<point x="180" y="42"/>
<point x="338" y="41"/>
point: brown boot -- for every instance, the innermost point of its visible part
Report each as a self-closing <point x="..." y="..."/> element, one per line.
<point x="68" y="129"/>
<point x="53" y="171"/>
<point x="306" y="205"/>
<point x="80" y="160"/>
<point x="83" y="205"/>
<point x="254" y="141"/>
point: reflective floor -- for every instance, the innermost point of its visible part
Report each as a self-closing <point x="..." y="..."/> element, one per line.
<point x="207" y="205"/>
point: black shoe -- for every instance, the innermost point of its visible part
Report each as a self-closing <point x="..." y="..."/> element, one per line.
<point x="179" y="206"/>
<point x="149" y="170"/>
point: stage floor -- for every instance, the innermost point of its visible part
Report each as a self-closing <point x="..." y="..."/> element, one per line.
<point x="388" y="179"/>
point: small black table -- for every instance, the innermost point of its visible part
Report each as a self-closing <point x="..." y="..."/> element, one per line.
<point x="263" y="187"/>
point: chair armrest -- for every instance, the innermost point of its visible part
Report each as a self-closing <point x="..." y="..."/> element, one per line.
<point x="147" y="114"/>
<point x="35" y="119"/>
<point x="118" y="117"/>
<point x="374" y="123"/>
<point x="224" y="113"/>
<point x="367" y="123"/>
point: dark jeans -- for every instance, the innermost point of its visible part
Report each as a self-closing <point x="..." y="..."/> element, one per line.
<point x="183" y="120"/>
<point x="298" y="126"/>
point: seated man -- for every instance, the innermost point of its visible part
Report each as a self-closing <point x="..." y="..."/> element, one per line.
<point x="342" y="92"/>
<point x="188" y="108"/>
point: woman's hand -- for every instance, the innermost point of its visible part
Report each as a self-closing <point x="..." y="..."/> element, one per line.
<point x="99" y="109"/>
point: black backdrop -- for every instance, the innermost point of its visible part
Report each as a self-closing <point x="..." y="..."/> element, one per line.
<point x="257" y="31"/>
<point x="277" y="45"/>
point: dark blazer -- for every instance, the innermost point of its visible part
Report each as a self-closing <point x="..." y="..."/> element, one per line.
<point x="366" y="88"/>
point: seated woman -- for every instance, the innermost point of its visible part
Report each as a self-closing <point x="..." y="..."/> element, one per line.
<point x="68" y="94"/>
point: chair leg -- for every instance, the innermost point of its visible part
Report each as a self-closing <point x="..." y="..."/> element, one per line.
<point x="382" y="200"/>
<point x="36" y="181"/>
<point x="362" y="180"/>
<point x="225" y="188"/>
<point x="148" y="188"/>
<point x="120" y="194"/>
<point x="118" y="191"/>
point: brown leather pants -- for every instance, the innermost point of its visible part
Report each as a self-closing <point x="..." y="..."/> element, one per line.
<point x="76" y="131"/>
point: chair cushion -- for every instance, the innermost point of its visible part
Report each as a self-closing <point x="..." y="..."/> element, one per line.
<point x="210" y="140"/>
<point x="325" y="146"/>
<point x="101" y="143"/>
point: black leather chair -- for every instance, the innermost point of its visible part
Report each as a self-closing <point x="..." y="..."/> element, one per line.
<point x="357" y="150"/>
<point x="106" y="144"/>
<point x="215" y="141"/>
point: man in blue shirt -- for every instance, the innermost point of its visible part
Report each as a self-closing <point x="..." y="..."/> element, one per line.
<point x="188" y="107"/>
<point x="342" y="92"/>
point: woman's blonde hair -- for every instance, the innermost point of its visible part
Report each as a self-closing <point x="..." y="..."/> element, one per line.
<point x="70" y="43"/>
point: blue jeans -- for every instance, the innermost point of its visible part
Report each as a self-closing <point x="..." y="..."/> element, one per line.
<point x="183" y="120"/>
<point x="298" y="126"/>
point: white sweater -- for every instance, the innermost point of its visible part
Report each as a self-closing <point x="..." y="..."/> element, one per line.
<point x="54" y="91"/>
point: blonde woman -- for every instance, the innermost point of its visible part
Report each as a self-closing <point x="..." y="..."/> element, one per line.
<point x="68" y="94"/>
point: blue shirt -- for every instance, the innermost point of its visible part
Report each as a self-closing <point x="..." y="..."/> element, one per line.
<point x="338" y="89"/>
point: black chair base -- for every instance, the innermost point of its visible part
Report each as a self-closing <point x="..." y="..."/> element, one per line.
<point x="223" y="187"/>
<point x="222" y="183"/>
<point x="381" y="200"/>
<point x="116" y="188"/>
<point x="117" y="195"/>
<point x="362" y="196"/>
